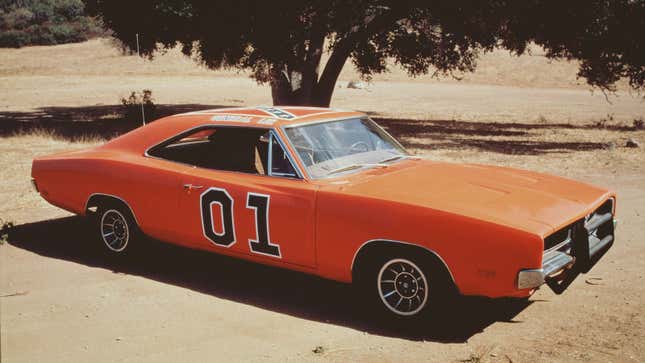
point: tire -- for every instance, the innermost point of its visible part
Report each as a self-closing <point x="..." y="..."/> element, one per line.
<point x="116" y="228"/>
<point x="403" y="284"/>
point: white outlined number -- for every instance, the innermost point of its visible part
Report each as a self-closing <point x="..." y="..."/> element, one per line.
<point x="226" y="238"/>
<point x="259" y="203"/>
<point x="262" y="244"/>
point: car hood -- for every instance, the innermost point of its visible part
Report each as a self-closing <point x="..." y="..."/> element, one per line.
<point x="529" y="201"/>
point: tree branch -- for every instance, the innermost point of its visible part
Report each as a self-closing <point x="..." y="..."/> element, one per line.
<point x="372" y="24"/>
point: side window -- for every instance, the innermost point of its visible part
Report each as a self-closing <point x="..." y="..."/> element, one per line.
<point x="241" y="149"/>
<point x="280" y="164"/>
<point x="218" y="148"/>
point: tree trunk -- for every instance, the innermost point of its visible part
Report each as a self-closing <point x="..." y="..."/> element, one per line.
<point x="297" y="85"/>
<point x="311" y="91"/>
<point x="297" y="88"/>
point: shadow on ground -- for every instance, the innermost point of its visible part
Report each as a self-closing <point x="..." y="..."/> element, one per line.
<point x="108" y="121"/>
<point x="269" y="288"/>
<point x="516" y="138"/>
<point x="72" y="123"/>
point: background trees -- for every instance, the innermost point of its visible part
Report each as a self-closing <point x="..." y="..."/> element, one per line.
<point x="44" y="22"/>
<point x="282" y="42"/>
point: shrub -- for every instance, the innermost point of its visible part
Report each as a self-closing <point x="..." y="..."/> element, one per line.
<point x="133" y="104"/>
<point x="14" y="38"/>
<point x="638" y="124"/>
<point x="45" y="22"/>
<point x="5" y="228"/>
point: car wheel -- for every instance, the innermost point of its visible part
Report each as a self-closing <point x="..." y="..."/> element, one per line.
<point x="403" y="285"/>
<point x="117" y="228"/>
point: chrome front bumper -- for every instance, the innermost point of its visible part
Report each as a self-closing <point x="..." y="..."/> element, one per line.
<point x="556" y="263"/>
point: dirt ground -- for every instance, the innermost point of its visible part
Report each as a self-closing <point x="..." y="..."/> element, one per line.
<point x="62" y="300"/>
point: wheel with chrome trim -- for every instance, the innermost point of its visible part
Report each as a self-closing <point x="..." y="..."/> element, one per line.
<point x="402" y="283"/>
<point x="116" y="227"/>
<point x="402" y="287"/>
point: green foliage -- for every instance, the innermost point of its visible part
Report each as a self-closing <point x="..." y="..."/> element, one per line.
<point x="281" y="41"/>
<point x="45" y="22"/>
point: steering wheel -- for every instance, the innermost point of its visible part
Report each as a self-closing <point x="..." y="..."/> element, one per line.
<point x="359" y="147"/>
<point x="308" y="152"/>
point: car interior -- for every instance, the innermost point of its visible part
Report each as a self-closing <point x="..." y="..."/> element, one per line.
<point x="239" y="149"/>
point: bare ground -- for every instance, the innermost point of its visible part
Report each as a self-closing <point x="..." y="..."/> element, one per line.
<point x="61" y="300"/>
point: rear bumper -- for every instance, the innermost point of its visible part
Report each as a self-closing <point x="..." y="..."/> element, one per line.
<point x="561" y="267"/>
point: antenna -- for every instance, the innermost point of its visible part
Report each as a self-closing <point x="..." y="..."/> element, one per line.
<point x="138" y="54"/>
<point x="143" y="113"/>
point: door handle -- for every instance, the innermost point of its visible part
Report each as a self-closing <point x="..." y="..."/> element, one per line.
<point x="191" y="186"/>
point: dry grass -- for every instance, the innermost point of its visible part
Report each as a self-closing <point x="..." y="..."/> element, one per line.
<point x="504" y="88"/>
<point x="523" y="111"/>
<point x="18" y="201"/>
<point x="520" y="112"/>
<point x="92" y="58"/>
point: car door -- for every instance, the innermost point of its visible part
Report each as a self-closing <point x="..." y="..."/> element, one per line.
<point x="262" y="217"/>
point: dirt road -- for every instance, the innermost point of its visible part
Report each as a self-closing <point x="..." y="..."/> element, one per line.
<point x="62" y="300"/>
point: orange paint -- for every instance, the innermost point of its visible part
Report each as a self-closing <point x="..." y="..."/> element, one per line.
<point x="485" y="222"/>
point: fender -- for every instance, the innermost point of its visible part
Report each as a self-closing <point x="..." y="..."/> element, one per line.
<point x="365" y="244"/>
<point x="87" y="204"/>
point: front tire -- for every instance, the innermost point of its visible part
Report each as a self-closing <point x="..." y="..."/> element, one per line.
<point x="116" y="228"/>
<point x="403" y="284"/>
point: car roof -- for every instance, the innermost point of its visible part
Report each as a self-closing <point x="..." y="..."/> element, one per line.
<point x="153" y="133"/>
<point x="266" y="116"/>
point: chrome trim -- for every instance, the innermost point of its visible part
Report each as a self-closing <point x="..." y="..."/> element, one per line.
<point x="112" y="196"/>
<point x="393" y="289"/>
<point x="532" y="278"/>
<point x="407" y="244"/>
<point x="146" y="153"/>
<point x="295" y="152"/>
<point x="314" y="122"/>
<point x="529" y="279"/>
<point x="566" y="241"/>
<point x="294" y="165"/>
<point x="270" y="154"/>
<point x="191" y="186"/>
<point x="596" y="244"/>
<point x="598" y="220"/>
<point x="556" y="263"/>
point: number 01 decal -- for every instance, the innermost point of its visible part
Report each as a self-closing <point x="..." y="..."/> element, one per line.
<point x="259" y="203"/>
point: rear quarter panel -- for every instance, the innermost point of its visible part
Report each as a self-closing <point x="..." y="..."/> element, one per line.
<point x="147" y="185"/>
<point x="66" y="180"/>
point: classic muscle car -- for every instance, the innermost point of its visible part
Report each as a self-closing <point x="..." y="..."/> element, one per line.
<point x="331" y="193"/>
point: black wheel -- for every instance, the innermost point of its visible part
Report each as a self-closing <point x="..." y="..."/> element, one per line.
<point x="403" y="284"/>
<point x="116" y="227"/>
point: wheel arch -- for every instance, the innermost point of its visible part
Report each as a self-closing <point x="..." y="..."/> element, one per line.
<point x="96" y="199"/>
<point x="376" y="246"/>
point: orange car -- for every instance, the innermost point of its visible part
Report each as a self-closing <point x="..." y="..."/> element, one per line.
<point x="331" y="193"/>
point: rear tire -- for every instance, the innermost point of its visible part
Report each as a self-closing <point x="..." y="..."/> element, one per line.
<point x="116" y="228"/>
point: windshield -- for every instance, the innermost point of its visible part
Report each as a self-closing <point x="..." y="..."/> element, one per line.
<point x="337" y="147"/>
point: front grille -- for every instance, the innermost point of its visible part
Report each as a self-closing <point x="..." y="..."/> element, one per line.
<point x="598" y="226"/>
<point x="575" y="248"/>
<point x="559" y="239"/>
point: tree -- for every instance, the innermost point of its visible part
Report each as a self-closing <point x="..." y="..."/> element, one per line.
<point x="44" y="22"/>
<point x="282" y="42"/>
